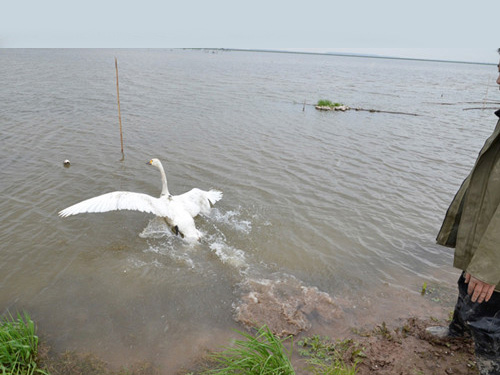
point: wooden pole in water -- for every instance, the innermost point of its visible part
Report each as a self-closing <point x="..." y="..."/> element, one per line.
<point x="119" y="112"/>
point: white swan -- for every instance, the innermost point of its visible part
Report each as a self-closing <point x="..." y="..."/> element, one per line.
<point x="177" y="210"/>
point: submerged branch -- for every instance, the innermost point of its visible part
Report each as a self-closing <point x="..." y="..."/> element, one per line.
<point x="480" y="108"/>
<point x="457" y="103"/>
<point x="391" y="112"/>
<point x="344" y="108"/>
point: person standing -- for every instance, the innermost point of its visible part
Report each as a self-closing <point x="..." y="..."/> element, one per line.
<point x="472" y="227"/>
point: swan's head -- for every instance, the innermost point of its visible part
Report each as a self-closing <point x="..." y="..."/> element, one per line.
<point x="154" y="162"/>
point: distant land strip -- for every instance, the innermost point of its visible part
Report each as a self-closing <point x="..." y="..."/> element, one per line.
<point x="339" y="54"/>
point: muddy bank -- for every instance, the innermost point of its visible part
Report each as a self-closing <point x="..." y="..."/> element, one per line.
<point x="401" y="350"/>
<point x="408" y="349"/>
<point x="384" y="350"/>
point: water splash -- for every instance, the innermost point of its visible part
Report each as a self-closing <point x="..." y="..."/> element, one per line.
<point x="179" y="257"/>
<point x="231" y="219"/>
<point x="229" y="255"/>
<point x="156" y="228"/>
<point x="163" y="242"/>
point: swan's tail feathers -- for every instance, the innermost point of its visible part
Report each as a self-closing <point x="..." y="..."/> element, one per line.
<point x="214" y="196"/>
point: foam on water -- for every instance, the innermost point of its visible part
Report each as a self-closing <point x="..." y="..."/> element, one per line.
<point x="232" y="219"/>
<point x="163" y="242"/>
<point x="229" y="255"/>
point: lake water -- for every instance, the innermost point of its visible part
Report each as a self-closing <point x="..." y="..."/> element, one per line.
<point x="329" y="215"/>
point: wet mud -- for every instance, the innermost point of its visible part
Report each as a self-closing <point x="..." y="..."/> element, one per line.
<point x="409" y="349"/>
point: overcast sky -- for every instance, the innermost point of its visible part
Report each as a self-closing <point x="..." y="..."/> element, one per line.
<point x="442" y="29"/>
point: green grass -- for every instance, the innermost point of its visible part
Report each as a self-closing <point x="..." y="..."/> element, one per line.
<point x="339" y="367"/>
<point x="331" y="358"/>
<point x="328" y="103"/>
<point x="18" y="345"/>
<point x="263" y="354"/>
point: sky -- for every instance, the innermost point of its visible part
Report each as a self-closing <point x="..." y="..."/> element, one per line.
<point x="436" y="29"/>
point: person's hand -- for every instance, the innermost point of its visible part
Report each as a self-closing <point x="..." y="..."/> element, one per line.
<point x="479" y="291"/>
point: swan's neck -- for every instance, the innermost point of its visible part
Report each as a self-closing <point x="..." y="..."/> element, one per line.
<point x="164" y="186"/>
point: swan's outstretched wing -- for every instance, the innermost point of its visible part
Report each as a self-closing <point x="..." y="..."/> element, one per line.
<point x="117" y="200"/>
<point x="196" y="200"/>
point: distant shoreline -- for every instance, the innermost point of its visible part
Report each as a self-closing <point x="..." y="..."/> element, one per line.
<point x="339" y="54"/>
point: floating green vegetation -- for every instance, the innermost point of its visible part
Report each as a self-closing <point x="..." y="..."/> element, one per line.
<point x="331" y="358"/>
<point x="263" y="354"/>
<point x="328" y="103"/>
<point x="424" y="289"/>
<point x="18" y="346"/>
<point x="438" y="293"/>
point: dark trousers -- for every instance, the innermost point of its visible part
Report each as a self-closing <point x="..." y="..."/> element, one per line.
<point x="482" y="321"/>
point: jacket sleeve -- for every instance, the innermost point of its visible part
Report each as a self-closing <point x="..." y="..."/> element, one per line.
<point x="485" y="264"/>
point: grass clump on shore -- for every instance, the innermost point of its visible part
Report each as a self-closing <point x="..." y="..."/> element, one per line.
<point x="328" y="103"/>
<point x="18" y="345"/>
<point x="263" y="354"/>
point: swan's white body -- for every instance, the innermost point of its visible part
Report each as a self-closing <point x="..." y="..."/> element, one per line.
<point x="177" y="210"/>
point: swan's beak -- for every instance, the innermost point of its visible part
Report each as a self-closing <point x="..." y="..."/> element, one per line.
<point x="150" y="162"/>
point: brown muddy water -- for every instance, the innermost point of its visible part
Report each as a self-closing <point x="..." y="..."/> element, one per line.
<point x="328" y="219"/>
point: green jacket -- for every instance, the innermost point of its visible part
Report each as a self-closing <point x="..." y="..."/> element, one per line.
<point x="472" y="222"/>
